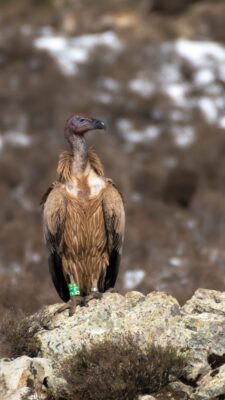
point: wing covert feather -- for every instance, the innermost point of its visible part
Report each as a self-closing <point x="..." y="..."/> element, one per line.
<point x="54" y="214"/>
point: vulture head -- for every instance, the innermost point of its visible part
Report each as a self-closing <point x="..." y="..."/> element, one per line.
<point x="79" y="125"/>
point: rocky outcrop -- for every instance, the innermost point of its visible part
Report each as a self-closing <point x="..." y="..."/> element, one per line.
<point x="23" y="378"/>
<point x="197" y="330"/>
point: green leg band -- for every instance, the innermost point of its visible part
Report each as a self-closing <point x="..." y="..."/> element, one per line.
<point x="74" y="289"/>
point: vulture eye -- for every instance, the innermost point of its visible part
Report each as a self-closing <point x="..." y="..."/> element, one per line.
<point x="82" y="119"/>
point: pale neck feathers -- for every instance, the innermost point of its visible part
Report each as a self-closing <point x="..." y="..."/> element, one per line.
<point x="65" y="165"/>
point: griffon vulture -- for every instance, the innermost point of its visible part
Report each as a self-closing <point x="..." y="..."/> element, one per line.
<point x="84" y="220"/>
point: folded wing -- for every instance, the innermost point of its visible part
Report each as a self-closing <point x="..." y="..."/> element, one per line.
<point x="114" y="215"/>
<point x="54" y="214"/>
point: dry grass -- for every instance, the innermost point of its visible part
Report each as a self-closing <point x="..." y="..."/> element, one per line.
<point x="17" y="332"/>
<point x="118" y="371"/>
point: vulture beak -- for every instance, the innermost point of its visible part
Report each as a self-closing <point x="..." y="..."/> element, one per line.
<point x="97" y="124"/>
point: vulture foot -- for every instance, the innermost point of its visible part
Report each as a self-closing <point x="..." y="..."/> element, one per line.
<point x="72" y="304"/>
<point x="92" y="296"/>
<point x="111" y="290"/>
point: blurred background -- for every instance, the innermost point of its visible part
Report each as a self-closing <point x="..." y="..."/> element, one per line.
<point x="154" y="70"/>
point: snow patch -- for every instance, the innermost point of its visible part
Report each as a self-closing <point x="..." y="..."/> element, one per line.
<point x="184" y="136"/>
<point x="132" y="135"/>
<point x="176" y="262"/>
<point x="133" y="278"/>
<point x="109" y="84"/>
<point x="151" y="132"/>
<point x="15" y="267"/>
<point x="14" y="138"/>
<point x="209" y="109"/>
<point x="104" y="98"/>
<point x="222" y="122"/>
<point x="191" y="224"/>
<point x="177" y="91"/>
<point x="33" y="257"/>
<point x="11" y="268"/>
<point x="204" y="76"/>
<point x="207" y="60"/>
<point x="70" y="52"/>
<point x="199" y="89"/>
<point x="200" y="53"/>
<point x="142" y="86"/>
<point x="124" y="124"/>
<point x="148" y="134"/>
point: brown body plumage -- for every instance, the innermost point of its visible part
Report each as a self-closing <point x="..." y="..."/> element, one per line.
<point x="83" y="221"/>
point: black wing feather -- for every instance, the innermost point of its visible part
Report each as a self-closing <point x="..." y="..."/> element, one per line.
<point x="112" y="270"/>
<point x="115" y="224"/>
<point x="55" y="269"/>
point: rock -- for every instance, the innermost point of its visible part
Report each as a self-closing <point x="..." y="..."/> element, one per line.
<point x="206" y="301"/>
<point x="211" y="385"/>
<point x="157" y="318"/>
<point x="197" y="330"/>
<point x="146" y="397"/>
<point x="180" y="387"/>
<point x="149" y="315"/>
<point x="23" y="376"/>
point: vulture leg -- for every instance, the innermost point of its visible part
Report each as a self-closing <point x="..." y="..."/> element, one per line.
<point x="71" y="305"/>
<point x="75" y="298"/>
<point x="94" y="295"/>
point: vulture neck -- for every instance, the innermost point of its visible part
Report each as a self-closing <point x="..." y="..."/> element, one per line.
<point x="80" y="155"/>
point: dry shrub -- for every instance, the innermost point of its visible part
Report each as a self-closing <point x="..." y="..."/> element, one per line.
<point x="17" y="332"/>
<point x="118" y="370"/>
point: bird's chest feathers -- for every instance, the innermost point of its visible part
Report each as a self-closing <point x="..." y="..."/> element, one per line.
<point x="96" y="184"/>
<point x="85" y="187"/>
